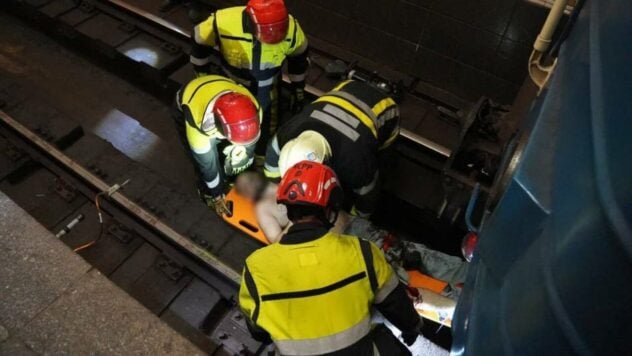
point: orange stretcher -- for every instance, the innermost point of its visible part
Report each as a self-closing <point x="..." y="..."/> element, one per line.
<point x="417" y="279"/>
<point x="243" y="218"/>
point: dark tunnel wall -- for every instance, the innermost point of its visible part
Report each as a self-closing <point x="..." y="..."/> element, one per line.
<point x="467" y="47"/>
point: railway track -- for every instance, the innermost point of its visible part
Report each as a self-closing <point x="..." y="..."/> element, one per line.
<point x="176" y="277"/>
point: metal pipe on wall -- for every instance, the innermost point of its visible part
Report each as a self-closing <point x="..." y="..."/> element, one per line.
<point x="539" y="72"/>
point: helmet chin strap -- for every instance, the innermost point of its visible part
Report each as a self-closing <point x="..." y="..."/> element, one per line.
<point x="331" y="219"/>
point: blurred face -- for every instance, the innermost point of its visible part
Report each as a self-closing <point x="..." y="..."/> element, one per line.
<point x="249" y="184"/>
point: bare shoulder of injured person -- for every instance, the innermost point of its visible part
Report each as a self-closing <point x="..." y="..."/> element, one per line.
<point x="278" y="210"/>
<point x="271" y="217"/>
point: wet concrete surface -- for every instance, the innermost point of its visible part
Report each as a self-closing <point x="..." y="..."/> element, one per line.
<point x="100" y="101"/>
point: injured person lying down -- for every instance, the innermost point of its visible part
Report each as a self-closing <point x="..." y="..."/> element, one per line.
<point x="273" y="221"/>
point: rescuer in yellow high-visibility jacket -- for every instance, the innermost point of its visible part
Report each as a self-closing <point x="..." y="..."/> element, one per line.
<point x="214" y="110"/>
<point x="254" y="42"/>
<point x="312" y="292"/>
<point x="346" y="128"/>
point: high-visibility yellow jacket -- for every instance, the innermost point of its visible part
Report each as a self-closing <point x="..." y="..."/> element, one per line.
<point x="195" y="100"/>
<point x="312" y="293"/>
<point x="244" y="58"/>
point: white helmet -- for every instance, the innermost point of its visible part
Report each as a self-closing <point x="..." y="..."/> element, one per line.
<point x="309" y="145"/>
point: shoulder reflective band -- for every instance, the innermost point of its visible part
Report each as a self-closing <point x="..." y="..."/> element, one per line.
<point x="351" y="104"/>
<point x="352" y="134"/>
<point x="342" y="115"/>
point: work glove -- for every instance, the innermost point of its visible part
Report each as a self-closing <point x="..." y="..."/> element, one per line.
<point x="217" y="204"/>
<point x="220" y="206"/>
<point x="237" y="159"/>
<point x="297" y="98"/>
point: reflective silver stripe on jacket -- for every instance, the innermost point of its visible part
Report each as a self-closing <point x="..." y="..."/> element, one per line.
<point x="337" y="124"/>
<point x="271" y="169"/>
<point x="369" y="187"/>
<point x="200" y="61"/>
<point x="214" y="183"/>
<point x="275" y="144"/>
<point x="326" y="344"/>
<point x="342" y="115"/>
<point x="357" y="102"/>
<point x="202" y="149"/>
<point x="297" y="77"/>
<point x="386" y="289"/>
<point x="266" y="82"/>
<point x="196" y="35"/>
<point x="267" y="65"/>
<point x="389" y="114"/>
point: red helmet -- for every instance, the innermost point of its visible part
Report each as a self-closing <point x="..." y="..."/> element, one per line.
<point x="237" y="118"/>
<point x="270" y="19"/>
<point x="310" y="183"/>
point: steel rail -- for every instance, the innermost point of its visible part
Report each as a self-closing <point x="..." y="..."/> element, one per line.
<point x="123" y="201"/>
<point x="409" y="135"/>
<point x="151" y="17"/>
